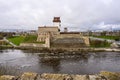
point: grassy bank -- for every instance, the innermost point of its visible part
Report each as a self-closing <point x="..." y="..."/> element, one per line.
<point x="109" y="37"/>
<point x="6" y="47"/>
<point x="24" y="39"/>
<point x="16" y="39"/>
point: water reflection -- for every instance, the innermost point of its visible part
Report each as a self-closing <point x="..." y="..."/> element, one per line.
<point x="56" y="63"/>
<point x="53" y="63"/>
<point x="3" y="51"/>
<point x="14" y="62"/>
<point x="9" y="70"/>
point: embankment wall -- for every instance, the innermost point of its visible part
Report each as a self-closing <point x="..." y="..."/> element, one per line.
<point x="32" y="45"/>
<point x="47" y="76"/>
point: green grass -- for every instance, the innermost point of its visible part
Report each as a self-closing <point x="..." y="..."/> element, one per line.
<point x="108" y="37"/>
<point x="30" y="38"/>
<point x="24" y="39"/>
<point x="17" y="39"/>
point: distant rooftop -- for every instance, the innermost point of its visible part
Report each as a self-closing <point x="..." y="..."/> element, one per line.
<point x="56" y="19"/>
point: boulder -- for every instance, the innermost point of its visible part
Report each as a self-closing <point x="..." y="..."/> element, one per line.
<point x="110" y="75"/>
<point x="7" y="77"/>
<point x="28" y="76"/>
<point x="48" y="76"/>
<point x="80" y="77"/>
<point x="40" y="78"/>
<point x="95" y="77"/>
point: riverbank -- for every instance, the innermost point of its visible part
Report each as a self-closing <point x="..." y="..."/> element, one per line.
<point x="104" y="75"/>
<point x="6" y="47"/>
<point x="60" y="50"/>
<point x="63" y="50"/>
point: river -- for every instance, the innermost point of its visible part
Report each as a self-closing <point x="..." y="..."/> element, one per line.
<point x="15" y="62"/>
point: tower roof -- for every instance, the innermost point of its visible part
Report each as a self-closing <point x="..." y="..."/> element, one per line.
<point x="56" y="19"/>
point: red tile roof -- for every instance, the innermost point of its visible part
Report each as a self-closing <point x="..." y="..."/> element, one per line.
<point x="56" y="19"/>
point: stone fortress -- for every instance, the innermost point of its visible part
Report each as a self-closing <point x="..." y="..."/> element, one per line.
<point x="53" y="37"/>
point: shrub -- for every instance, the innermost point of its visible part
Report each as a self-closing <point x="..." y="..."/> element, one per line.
<point x="98" y="43"/>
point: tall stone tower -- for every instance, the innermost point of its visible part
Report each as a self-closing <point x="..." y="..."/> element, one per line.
<point x="57" y="22"/>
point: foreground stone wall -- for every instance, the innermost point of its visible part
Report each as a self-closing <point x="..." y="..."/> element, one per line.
<point x="47" y="76"/>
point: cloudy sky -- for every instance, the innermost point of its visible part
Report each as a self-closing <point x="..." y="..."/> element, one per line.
<point x="75" y="14"/>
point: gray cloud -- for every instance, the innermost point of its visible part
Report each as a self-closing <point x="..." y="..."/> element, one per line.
<point x="75" y="14"/>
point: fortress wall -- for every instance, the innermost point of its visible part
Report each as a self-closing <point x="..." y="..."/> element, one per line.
<point x="70" y="41"/>
<point x="43" y="32"/>
<point x="66" y="45"/>
<point x="48" y="28"/>
<point x="87" y="41"/>
<point x="64" y="40"/>
<point x="69" y="36"/>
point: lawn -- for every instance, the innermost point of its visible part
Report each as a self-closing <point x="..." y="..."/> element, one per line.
<point x="16" y="39"/>
<point x="108" y="37"/>
<point x="24" y="39"/>
<point x="30" y="38"/>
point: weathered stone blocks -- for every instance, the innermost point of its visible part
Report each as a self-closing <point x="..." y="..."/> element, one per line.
<point x="104" y="75"/>
<point x="7" y="77"/>
<point x="28" y="76"/>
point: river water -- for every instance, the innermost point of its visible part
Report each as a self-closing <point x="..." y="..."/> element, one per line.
<point x="15" y="62"/>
